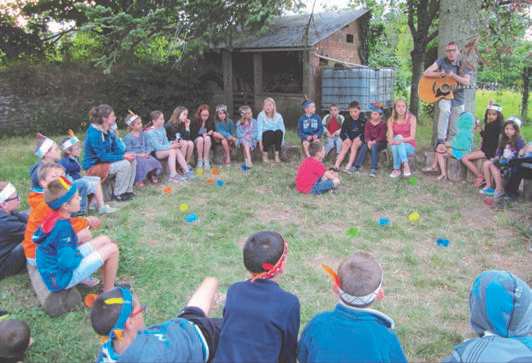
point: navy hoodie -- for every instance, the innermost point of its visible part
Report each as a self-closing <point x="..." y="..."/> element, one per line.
<point x="12" y="227"/>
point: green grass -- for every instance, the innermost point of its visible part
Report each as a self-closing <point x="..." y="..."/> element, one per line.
<point x="164" y="258"/>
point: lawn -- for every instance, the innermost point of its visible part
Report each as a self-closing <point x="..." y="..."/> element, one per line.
<point x="164" y="258"/>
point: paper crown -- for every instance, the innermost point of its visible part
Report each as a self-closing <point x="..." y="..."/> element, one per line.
<point x="493" y="106"/>
<point x="221" y="108"/>
<point x="8" y="191"/>
<point x="131" y="117"/>
<point x="71" y="141"/>
<point x="44" y="144"/>
<point x="516" y="120"/>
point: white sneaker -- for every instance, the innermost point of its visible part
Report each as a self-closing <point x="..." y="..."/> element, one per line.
<point x="395" y="174"/>
<point x="207" y="165"/>
<point x="199" y="164"/>
<point x="107" y="209"/>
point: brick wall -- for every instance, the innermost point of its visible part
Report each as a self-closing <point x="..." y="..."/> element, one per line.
<point x="336" y="45"/>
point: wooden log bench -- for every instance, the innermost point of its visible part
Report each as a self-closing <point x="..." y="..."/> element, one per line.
<point x="53" y="303"/>
<point x="456" y="171"/>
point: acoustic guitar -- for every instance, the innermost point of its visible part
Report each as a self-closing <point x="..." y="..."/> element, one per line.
<point x="431" y="90"/>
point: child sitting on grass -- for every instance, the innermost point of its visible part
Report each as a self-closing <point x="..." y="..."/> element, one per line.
<point x="494" y="169"/>
<point x="39" y="210"/>
<point x="225" y="132"/>
<point x="12" y="226"/>
<point x="71" y="151"/>
<point x="15" y="338"/>
<point x="48" y="152"/>
<point x="136" y="143"/>
<point x="353" y="332"/>
<point x="500" y="305"/>
<point x="246" y="132"/>
<point x="332" y="126"/>
<point x="309" y="126"/>
<point x="164" y="149"/>
<point x="312" y="177"/>
<point x="61" y="263"/>
<point x="261" y="320"/>
<point x="192" y="337"/>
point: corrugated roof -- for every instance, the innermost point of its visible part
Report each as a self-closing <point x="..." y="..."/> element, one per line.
<point x="288" y="31"/>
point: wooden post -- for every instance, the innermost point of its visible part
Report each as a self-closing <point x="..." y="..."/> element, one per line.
<point x="306" y="73"/>
<point x="227" y="69"/>
<point x="257" y="79"/>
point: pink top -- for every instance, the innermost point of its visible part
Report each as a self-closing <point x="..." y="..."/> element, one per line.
<point x="403" y="129"/>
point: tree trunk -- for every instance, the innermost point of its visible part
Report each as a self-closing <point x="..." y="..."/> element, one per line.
<point x="524" y="99"/>
<point x="418" y="66"/>
<point x="460" y="21"/>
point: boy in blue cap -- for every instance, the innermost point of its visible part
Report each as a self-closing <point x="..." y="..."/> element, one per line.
<point x="309" y="126"/>
<point x="501" y="314"/>
<point x="352" y="332"/>
<point x="191" y="337"/>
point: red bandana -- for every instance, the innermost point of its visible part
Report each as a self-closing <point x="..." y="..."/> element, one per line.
<point x="272" y="270"/>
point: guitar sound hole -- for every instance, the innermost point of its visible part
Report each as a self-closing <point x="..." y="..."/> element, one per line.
<point x="445" y="88"/>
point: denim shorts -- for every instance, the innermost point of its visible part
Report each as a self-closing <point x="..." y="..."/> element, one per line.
<point x="90" y="263"/>
<point x="322" y="186"/>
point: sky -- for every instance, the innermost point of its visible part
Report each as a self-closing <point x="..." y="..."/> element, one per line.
<point x="322" y="4"/>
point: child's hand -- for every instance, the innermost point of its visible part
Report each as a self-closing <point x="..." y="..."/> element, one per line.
<point x="94" y="222"/>
<point x="309" y="138"/>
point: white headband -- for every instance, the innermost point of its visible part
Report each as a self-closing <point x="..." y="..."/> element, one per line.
<point x="495" y="108"/>
<point x="359" y="300"/>
<point x="45" y="146"/>
<point x="515" y="120"/>
<point x="8" y="190"/>
<point x="70" y="142"/>
<point x="131" y="119"/>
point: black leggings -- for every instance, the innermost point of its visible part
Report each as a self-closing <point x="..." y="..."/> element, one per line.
<point x="272" y="138"/>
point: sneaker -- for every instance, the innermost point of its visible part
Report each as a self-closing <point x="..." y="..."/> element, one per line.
<point x="90" y="282"/>
<point x="107" y="209"/>
<point x="487" y="191"/>
<point x="189" y="175"/>
<point x="130" y="194"/>
<point x="407" y="173"/>
<point x="207" y="165"/>
<point x="122" y="197"/>
<point x="199" y="164"/>
<point x="373" y="173"/>
<point x="498" y="195"/>
<point x="348" y="171"/>
<point x="395" y="173"/>
<point x="356" y="170"/>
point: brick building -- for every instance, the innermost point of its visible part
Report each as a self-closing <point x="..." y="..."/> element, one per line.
<point x="284" y="62"/>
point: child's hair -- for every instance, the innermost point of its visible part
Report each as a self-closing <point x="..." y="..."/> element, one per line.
<point x="104" y="316"/>
<point x="360" y="274"/>
<point x="154" y="115"/>
<point x="262" y="247"/>
<point x="272" y="101"/>
<point x="242" y="110"/>
<point x="53" y="191"/>
<point x="46" y="168"/>
<point x="395" y="115"/>
<point x="221" y="108"/>
<point x="500" y="117"/>
<point x="98" y="113"/>
<point x="505" y="140"/>
<point x="314" y="148"/>
<point x="14" y="338"/>
<point x="354" y="104"/>
<point x="174" y="119"/>
<point x="199" y="110"/>
<point x="333" y="105"/>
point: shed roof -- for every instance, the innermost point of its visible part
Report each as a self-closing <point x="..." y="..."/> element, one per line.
<point x="288" y="31"/>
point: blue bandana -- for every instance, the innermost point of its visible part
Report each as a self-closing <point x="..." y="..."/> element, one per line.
<point x="56" y="204"/>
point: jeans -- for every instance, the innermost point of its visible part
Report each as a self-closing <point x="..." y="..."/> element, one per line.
<point x="374" y="154"/>
<point x="333" y="142"/>
<point x="322" y="186"/>
<point x="400" y="154"/>
<point x="447" y="119"/>
<point x="83" y="187"/>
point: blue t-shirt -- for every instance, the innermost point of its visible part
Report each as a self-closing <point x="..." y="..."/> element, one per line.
<point x="350" y="335"/>
<point x="174" y="341"/>
<point x="261" y="323"/>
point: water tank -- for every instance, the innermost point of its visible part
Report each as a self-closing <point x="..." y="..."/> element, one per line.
<point x="365" y="85"/>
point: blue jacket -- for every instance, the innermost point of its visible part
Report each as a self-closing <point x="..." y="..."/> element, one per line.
<point x="156" y="139"/>
<point x="261" y="323"/>
<point x="500" y="304"/>
<point x="57" y="253"/>
<point x="176" y="341"/>
<point x="226" y="129"/>
<point x="72" y="167"/>
<point x="309" y="126"/>
<point x="350" y="335"/>
<point x="34" y="174"/>
<point x="100" y="147"/>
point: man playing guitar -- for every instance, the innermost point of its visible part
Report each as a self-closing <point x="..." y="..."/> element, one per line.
<point x="452" y="67"/>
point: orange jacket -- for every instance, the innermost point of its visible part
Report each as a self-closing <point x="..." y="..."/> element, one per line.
<point x="39" y="210"/>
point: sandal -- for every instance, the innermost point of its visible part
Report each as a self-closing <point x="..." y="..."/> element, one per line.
<point x="479" y="181"/>
<point x="442" y="178"/>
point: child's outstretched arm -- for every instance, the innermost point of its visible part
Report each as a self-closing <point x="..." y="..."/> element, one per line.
<point x="204" y="295"/>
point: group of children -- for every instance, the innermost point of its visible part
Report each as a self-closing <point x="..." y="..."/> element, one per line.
<point x="503" y="152"/>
